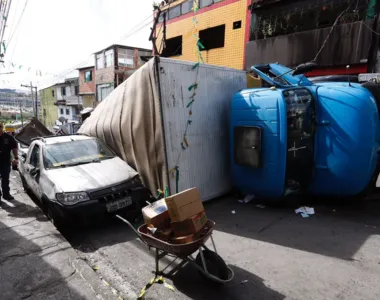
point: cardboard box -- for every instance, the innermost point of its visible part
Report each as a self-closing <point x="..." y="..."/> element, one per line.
<point x="184" y="205"/>
<point x="157" y="214"/>
<point x="164" y="234"/>
<point x="189" y="226"/>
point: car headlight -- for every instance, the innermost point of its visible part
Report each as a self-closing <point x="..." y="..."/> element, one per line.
<point x="136" y="181"/>
<point x="72" y="198"/>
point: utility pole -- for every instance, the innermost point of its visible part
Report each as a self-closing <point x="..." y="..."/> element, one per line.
<point x="21" y="115"/>
<point x="34" y="100"/>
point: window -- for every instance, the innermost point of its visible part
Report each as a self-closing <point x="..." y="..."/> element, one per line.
<point x="63" y="91"/>
<point x="53" y="93"/>
<point x="35" y="156"/>
<point x="174" y="12"/>
<point x="76" y="90"/>
<point x="67" y="111"/>
<point x="247" y="146"/>
<point x="80" y="151"/>
<point x="204" y="3"/>
<point x="61" y="111"/>
<point x="109" y="58"/>
<point x="100" y="61"/>
<point x="103" y="90"/>
<point x="187" y="6"/>
<point x="236" y="25"/>
<point x="212" y="38"/>
<point x="162" y="16"/>
<point x="126" y="58"/>
<point x="173" y="47"/>
<point x="88" y="76"/>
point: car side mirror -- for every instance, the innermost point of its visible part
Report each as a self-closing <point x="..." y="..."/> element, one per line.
<point x="34" y="171"/>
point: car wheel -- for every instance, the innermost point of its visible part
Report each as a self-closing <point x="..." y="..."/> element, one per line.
<point x="24" y="185"/>
<point x="53" y="218"/>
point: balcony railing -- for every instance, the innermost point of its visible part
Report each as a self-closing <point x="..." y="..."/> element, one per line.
<point x="348" y="44"/>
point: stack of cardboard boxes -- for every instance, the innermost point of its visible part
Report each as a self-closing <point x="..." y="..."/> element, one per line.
<point x="177" y="219"/>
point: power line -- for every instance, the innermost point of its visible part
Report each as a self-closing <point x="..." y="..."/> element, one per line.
<point x="18" y="23"/>
<point x="133" y="28"/>
<point x="331" y="30"/>
<point x="373" y="31"/>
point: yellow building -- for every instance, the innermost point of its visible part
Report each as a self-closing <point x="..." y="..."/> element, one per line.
<point x="49" y="111"/>
<point x="222" y="26"/>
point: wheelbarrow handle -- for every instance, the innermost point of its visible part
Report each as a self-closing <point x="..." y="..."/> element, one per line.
<point x="133" y="228"/>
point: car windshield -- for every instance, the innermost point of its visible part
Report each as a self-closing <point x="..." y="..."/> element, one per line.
<point x="75" y="153"/>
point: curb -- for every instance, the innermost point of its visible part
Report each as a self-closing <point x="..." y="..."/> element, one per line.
<point x="84" y="270"/>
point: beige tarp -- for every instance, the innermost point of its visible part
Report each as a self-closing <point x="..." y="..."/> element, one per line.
<point x="129" y="121"/>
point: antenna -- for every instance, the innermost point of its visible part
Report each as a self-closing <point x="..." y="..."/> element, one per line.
<point x="347" y="68"/>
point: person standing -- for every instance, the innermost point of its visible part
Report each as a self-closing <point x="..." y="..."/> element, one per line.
<point x="7" y="144"/>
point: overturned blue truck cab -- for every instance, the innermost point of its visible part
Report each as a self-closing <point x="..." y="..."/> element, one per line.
<point x="298" y="137"/>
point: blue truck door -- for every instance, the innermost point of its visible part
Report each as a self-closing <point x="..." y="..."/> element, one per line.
<point x="258" y="142"/>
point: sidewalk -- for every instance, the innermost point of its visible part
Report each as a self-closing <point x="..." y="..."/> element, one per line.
<point x="36" y="262"/>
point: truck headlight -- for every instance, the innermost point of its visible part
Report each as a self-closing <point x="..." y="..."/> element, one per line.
<point x="72" y="198"/>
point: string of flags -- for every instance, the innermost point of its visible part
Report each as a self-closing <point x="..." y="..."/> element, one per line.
<point x="192" y="88"/>
<point x="12" y="66"/>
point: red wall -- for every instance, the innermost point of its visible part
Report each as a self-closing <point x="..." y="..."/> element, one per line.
<point x="86" y="87"/>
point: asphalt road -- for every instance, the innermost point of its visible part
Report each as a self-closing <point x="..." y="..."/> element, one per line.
<point x="274" y="253"/>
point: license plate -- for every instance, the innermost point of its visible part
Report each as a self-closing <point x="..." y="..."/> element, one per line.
<point x="118" y="204"/>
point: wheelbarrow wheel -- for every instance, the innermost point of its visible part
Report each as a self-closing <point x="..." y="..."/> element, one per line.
<point x="215" y="265"/>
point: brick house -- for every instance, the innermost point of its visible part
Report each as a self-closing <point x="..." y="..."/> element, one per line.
<point x="115" y="64"/>
<point x="87" y="88"/>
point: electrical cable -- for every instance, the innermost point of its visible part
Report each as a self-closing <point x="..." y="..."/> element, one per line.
<point x="331" y="30"/>
<point x="373" y="31"/>
<point x="18" y="23"/>
<point x="137" y="28"/>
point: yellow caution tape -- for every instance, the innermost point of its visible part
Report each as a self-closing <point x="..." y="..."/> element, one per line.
<point x="185" y="140"/>
<point x="106" y="283"/>
<point x="79" y="159"/>
<point x="159" y="280"/>
<point x="95" y="268"/>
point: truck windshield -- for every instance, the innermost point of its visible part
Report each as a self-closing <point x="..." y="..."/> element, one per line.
<point x="75" y="153"/>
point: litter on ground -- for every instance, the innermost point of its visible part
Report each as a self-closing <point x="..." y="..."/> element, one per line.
<point x="305" y="211"/>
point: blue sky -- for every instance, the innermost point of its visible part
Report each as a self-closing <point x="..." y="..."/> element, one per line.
<point x="56" y="35"/>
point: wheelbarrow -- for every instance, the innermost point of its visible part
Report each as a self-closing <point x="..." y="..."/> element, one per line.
<point x="207" y="262"/>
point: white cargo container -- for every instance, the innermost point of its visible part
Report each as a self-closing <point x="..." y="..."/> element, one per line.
<point x="146" y="118"/>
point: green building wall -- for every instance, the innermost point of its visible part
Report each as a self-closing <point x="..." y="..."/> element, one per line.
<point x="49" y="111"/>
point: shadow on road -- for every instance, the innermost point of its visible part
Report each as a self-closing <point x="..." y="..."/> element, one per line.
<point x="337" y="229"/>
<point x="27" y="271"/>
<point x="245" y="286"/>
<point x="17" y="209"/>
<point x="97" y="234"/>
